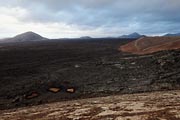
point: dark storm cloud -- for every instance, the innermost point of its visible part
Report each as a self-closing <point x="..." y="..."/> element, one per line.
<point x="154" y="16"/>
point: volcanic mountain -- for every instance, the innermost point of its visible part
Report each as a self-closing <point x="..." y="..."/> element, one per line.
<point x="133" y="35"/>
<point x="146" y="45"/>
<point x="27" y="36"/>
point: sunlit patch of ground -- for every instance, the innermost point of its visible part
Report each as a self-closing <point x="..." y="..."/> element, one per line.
<point x="146" y="106"/>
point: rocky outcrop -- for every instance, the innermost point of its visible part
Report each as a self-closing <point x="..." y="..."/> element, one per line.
<point x="146" y="106"/>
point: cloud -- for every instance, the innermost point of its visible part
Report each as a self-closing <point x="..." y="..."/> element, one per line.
<point x="92" y="17"/>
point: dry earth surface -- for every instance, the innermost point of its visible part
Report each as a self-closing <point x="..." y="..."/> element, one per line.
<point x="162" y="105"/>
<point x="146" y="45"/>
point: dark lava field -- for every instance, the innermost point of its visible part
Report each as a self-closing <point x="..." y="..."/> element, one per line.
<point x="39" y="72"/>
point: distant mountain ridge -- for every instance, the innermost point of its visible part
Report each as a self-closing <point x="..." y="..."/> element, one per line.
<point x="137" y="35"/>
<point x="172" y="35"/>
<point x="24" y="37"/>
<point x="85" y="37"/>
<point x="132" y="35"/>
<point x="31" y="36"/>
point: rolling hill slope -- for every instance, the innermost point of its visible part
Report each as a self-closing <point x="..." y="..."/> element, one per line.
<point x="147" y="45"/>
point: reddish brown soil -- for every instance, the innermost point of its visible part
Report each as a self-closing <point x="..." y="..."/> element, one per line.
<point x="148" y="45"/>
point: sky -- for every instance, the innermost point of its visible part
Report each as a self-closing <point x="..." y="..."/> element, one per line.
<point x="95" y="18"/>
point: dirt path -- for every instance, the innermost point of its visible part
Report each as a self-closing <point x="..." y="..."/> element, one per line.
<point x="146" y="106"/>
<point x="136" y="44"/>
